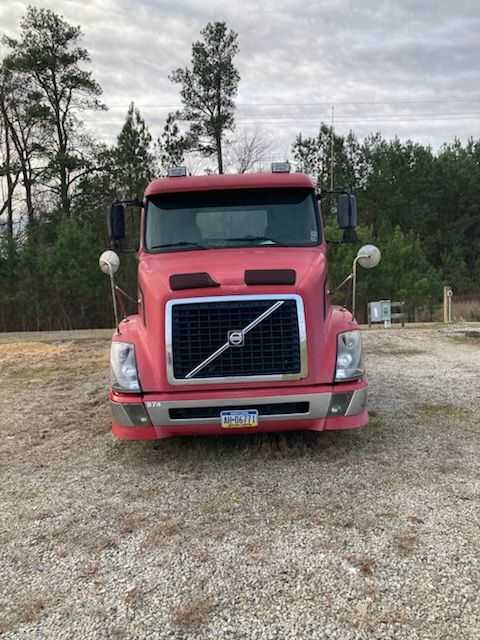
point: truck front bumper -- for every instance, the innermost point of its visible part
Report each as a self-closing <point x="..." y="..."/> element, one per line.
<point x="319" y="408"/>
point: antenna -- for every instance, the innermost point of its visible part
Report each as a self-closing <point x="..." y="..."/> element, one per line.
<point x="332" y="151"/>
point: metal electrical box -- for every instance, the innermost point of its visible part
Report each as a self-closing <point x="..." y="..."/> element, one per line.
<point x="380" y="311"/>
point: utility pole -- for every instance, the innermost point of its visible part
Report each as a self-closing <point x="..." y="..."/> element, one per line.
<point x="332" y="150"/>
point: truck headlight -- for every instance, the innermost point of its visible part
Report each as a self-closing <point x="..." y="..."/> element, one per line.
<point x="124" y="368"/>
<point x="349" y="356"/>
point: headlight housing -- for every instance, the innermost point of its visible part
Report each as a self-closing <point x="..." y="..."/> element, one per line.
<point x="123" y="367"/>
<point x="349" y="356"/>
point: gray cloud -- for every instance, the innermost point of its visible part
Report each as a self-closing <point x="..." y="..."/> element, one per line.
<point x="408" y="69"/>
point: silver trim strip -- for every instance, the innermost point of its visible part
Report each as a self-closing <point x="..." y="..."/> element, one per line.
<point x="227" y="344"/>
<point x="275" y="297"/>
<point x="357" y="403"/>
<point x="262" y="317"/>
<point x="207" y="361"/>
<point x="159" y="410"/>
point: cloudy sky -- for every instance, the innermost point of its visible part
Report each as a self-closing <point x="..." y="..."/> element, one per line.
<point x="404" y="67"/>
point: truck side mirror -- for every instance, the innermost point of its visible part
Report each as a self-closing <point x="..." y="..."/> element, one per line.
<point x="116" y="222"/>
<point x="347" y="216"/>
<point x="347" y="211"/>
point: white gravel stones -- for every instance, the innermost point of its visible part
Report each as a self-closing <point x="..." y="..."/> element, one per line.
<point x="353" y="535"/>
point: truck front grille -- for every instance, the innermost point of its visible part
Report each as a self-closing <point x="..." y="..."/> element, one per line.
<point x="273" y="347"/>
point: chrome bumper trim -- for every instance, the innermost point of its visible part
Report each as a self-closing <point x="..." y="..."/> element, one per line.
<point x="159" y="411"/>
<point x="319" y="403"/>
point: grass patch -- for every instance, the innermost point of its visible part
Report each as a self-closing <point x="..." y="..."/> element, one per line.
<point x="376" y="423"/>
<point x="162" y="533"/>
<point x="395" y="351"/>
<point x="222" y="503"/>
<point x="470" y="338"/>
<point x="52" y="363"/>
<point x="430" y="410"/>
<point x="45" y="337"/>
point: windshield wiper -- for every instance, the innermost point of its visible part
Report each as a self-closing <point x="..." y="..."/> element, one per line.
<point x="254" y="239"/>
<point x="183" y="243"/>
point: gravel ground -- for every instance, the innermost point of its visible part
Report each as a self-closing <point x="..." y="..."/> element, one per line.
<point x="365" y="534"/>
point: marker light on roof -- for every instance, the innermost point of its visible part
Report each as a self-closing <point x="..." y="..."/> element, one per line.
<point x="280" y="167"/>
<point x="177" y="172"/>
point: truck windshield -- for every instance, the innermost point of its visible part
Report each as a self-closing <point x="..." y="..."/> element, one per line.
<point x="232" y="218"/>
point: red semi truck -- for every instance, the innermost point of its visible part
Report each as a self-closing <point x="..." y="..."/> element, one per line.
<point x="234" y="330"/>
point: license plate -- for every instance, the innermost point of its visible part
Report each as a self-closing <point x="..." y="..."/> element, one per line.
<point x="239" y="419"/>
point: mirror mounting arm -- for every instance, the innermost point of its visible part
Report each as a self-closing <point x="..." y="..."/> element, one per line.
<point x="351" y="238"/>
<point x="347" y="191"/>
<point x="115" y="246"/>
<point x="130" y="203"/>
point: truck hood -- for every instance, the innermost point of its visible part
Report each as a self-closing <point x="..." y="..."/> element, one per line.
<point x="227" y="267"/>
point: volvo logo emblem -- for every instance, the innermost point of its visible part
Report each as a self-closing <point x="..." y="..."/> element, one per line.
<point x="236" y="338"/>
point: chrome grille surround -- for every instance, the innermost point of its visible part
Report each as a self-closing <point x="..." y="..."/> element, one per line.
<point x="302" y="373"/>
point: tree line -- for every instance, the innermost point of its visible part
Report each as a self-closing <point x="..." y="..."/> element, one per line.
<point x="57" y="181"/>
<point x="421" y="208"/>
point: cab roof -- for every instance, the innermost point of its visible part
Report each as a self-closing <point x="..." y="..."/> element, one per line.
<point x="229" y="181"/>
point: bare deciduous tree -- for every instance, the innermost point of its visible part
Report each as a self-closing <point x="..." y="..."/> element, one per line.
<point x="250" y="150"/>
<point x="49" y="54"/>
<point x="9" y="170"/>
<point x="26" y="121"/>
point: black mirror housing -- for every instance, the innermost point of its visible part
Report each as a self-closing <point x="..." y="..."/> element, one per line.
<point x="347" y="211"/>
<point x="116" y="222"/>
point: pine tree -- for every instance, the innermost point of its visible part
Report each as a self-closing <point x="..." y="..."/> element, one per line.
<point x="133" y="156"/>
<point x="209" y="87"/>
<point x="172" y="144"/>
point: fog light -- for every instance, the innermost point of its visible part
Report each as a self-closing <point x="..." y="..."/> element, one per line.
<point x="339" y="403"/>
<point x="137" y="414"/>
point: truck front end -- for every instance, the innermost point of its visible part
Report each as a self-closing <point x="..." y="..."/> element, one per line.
<point x="234" y="331"/>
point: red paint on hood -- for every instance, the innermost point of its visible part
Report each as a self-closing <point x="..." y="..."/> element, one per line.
<point x="227" y="267"/>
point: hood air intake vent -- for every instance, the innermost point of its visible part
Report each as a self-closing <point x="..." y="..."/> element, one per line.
<point x="199" y="280"/>
<point x="270" y="276"/>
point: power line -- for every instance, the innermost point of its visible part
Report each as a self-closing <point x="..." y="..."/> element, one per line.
<point x="272" y="119"/>
<point x="307" y="104"/>
<point x="355" y="118"/>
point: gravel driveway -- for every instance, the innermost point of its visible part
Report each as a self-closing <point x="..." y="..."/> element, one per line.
<point x="366" y="534"/>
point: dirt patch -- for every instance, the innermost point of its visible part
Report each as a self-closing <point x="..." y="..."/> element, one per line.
<point x="194" y="613"/>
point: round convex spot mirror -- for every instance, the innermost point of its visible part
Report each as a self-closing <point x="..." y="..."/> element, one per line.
<point x="369" y="256"/>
